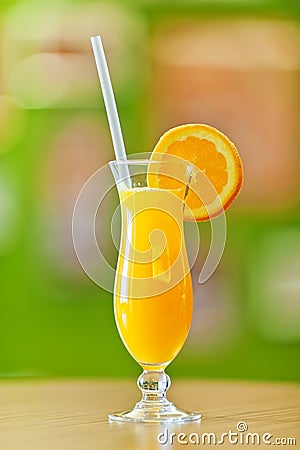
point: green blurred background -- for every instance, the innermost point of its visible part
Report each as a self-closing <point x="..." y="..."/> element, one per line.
<point x="232" y="64"/>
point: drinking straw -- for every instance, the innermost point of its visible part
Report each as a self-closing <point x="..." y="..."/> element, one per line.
<point x="110" y="103"/>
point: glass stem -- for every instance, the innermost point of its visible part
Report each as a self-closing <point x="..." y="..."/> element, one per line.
<point x="154" y="385"/>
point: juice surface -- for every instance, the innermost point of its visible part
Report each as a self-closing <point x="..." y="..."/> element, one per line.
<point x="153" y="298"/>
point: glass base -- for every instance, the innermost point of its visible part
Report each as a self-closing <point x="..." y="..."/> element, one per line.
<point x="159" y="412"/>
<point x="154" y="406"/>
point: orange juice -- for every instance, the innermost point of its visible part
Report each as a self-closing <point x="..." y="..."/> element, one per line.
<point x="153" y="298"/>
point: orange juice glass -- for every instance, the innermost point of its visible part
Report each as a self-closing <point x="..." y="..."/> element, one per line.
<point x="153" y="296"/>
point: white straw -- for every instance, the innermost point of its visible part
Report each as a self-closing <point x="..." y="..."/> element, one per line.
<point x="109" y="99"/>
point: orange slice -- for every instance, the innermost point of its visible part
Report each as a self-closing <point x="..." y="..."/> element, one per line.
<point x="218" y="177"/>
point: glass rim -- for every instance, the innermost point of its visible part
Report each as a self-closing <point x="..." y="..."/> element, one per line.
<point x="133" y="161"/>
<point x="145" y="161"/>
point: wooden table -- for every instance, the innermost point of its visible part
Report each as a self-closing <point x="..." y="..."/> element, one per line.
<point x="63" y="415"/>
